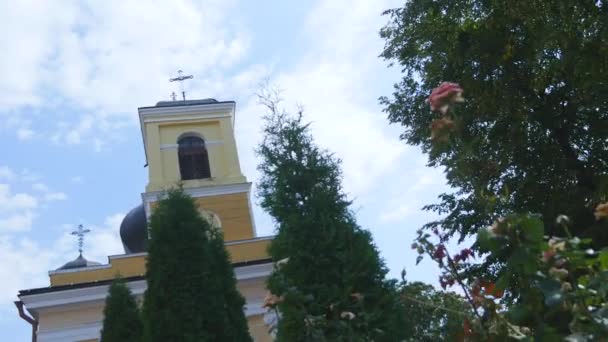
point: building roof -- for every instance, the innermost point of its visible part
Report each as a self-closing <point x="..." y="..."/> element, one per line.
<point x="134" y="231"/>
<point x="109" y="281"/>
<point x="180" y="103"/>
<point x="78" y="263"/>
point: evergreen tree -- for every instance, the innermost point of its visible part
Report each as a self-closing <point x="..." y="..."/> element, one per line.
<point x="121" y="317"/>
<point x="192" y="293"/>
<point x="332" y="287"/>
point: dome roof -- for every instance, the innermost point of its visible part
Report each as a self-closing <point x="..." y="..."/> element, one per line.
<point x="77" y="263"/>
<point x="134" y="231"/>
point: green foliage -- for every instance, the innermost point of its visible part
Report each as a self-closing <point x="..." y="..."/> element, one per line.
<point x="121" y="317"/>
<point x="562" y="282"/>
<point x="526" y="147"/>
<point x="192" y="293"/>
<point x="433" y="315"/>
<point x="333" y="287"/>
<point x="531" y="137"/>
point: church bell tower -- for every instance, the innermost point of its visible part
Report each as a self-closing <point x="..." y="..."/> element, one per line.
<point x="192" y="143"/>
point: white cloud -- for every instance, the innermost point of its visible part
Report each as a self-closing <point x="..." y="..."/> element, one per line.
<point x="27" y="175"/>
<point x="397" y="214"/>
<point x="27" y="263"/>
<point x="17" y="222"/>
<point x="40" y="187"/>
<point x="25" y="133"/>
<point x="16" y="210"/>
<point x="55" y="196"/>
<point x="10" y="202"/>
<point x="6" y="173"/>
<point x="108" y="58"/>
<point x="332" y="80"/>
<point x="19" y="209"/>
<point x="102" y="241"/>
<point x="47" y="194"/>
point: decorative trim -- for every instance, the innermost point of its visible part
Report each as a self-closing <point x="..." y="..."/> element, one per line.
<point x="58" y="299"/>
<point x="168" y="147"/>
<point x="80" y="269"/>
<point x="240" y="242"/>
<point x="176" y="146"/>
<point x="253" y="271"/>
<point x="185" y="118"/>
<point x="189" y="109"/>
<point x="76" y="296"/>
<point x="97" y="267"/>
<point x="204" y="191"/>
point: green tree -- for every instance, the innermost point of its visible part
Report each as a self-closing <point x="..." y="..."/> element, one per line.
<point x="531" y="137"/>
<point x="329" y="284"/>
<point x="192" y="293"/>
<point x="433" y="315"/>
<point x="121" y="317"/>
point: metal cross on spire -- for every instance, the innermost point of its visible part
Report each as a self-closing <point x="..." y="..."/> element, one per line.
<point x="80" y="232"/>
<point x="181" y="78"/>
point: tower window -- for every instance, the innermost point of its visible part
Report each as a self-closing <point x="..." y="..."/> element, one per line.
<point x="193" y="158"/>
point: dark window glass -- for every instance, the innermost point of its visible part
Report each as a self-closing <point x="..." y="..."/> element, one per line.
<point x="193" y="158"/>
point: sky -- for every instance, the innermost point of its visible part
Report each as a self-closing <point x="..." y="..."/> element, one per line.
<point x="74" y="72"/>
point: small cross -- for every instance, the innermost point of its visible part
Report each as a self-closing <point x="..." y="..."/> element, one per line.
<point x="80" y="231"/>
<point x="181" y="78"/>
<point x="173" y="96"/>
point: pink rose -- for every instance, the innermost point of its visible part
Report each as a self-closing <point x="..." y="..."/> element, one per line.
<point x="443" y="96"/>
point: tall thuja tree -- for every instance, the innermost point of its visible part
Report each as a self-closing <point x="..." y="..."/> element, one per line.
<point x="532" y="135"/>
<point x="121" y="317"/>
<point x="191" y="293"/>
<point x="329" y="283"/>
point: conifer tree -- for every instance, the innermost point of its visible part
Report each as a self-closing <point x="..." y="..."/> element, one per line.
<point x="192" y="293"/>
<point x="122" y="320"/>
<point x="329" y="283"/>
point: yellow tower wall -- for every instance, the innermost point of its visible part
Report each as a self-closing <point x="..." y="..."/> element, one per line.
<point x="161" y="150"/>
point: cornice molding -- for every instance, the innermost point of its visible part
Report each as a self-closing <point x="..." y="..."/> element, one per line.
<point x="58" y="299"/>
<point x="203" y="191"/>
<point x="223" y="108"/>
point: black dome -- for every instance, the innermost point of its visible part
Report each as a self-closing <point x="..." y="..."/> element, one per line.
<point x="77" y="263"/>
<point x="134" y="231"/>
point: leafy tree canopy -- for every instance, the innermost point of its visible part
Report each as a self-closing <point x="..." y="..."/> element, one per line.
<point x="532" y="135"/>
<point x="433" y="315"/>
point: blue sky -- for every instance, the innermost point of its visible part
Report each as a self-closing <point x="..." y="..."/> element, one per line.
<point x="72" y="79"/>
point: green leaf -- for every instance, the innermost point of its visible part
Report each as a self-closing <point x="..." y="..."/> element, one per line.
<point x="551" y="289"/>
<point x="519" y="313"/>
<point x="533" y="228"/>
<point x="488" y="241"/>
<point x="604" y="259"/>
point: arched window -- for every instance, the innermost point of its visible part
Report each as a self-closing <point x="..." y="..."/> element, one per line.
<point x="193" y="158"/>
